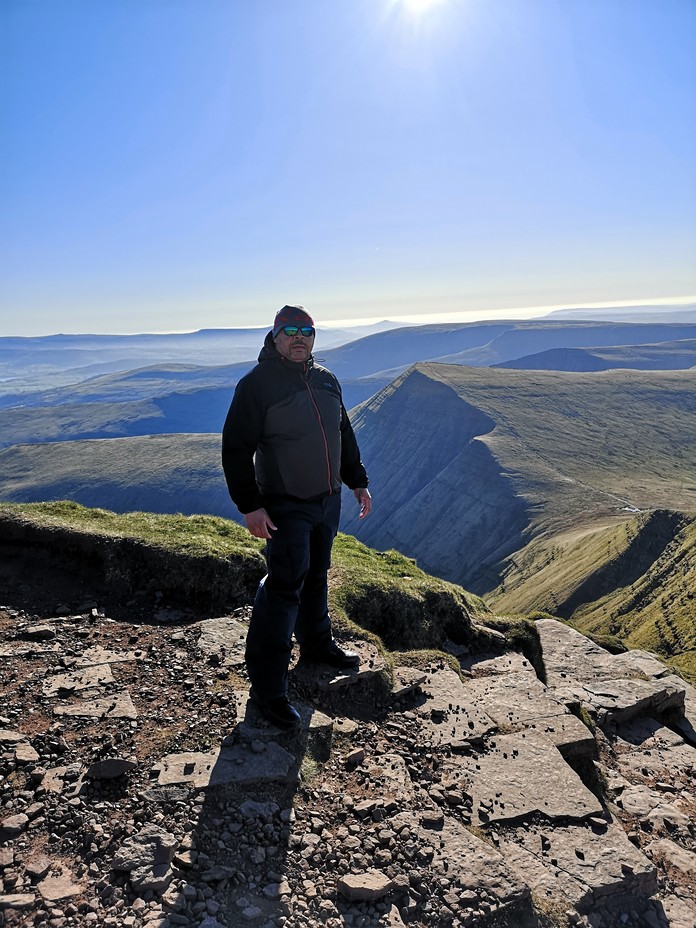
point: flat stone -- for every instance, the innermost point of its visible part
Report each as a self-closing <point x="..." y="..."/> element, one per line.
<point x="647" y="805"/>
<point x="8" y="737"/>
<point x="615" y="702"/>
<point x="448" y="714"/>
<point x="38" y="867"/>
<point x="73" y="682"/>
<point x="433" y="819"/>
<point x="480" y="871"/>
<point x="97" y="655"/>
<point x="568" y="654"/>
<point x="391" y="773"/>
<point x="314" y="734"/>
<point x="110" y="768"/>
<point x="6" y="857"/>
<point x="151" y="845"/>
<point x="166" y="795"/>
<point x="612" y="688"/>
<point x="118" y="706"/>
<point x="635" y="662"/>
<point x="217" y="874"/>
<point x="649" y="750"/>
<point x="484" y="665"/>
<point x="14" y="824"/>
<point x="685" y="719"/>
<point x="406" y="680"/>
<point x="251" y="913"/>
<point x="43" y="632"/>
<point x="233" y="764"/>
<point x="17" y="901"/>
<point x="55" y="888"/>
<point x="57" y="778"/>
<point x="25" y="754"/>
<point x="679" y="913"/>
<point x="587" y="869"/>
<point x="518" y="699"/>
<point x="153" y="879"/>
<point x="507" y="784"/>
<point x="365" y="887"/>
<point x="673" y="855"/>
<point x="224" y="636"/>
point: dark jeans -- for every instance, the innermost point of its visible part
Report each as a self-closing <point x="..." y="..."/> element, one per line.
<point x="293" y="596"/>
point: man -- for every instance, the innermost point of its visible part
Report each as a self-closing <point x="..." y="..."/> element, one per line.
<point x="287" y="446"/>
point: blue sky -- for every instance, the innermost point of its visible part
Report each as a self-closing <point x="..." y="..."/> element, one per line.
<point x="175" y="164"/>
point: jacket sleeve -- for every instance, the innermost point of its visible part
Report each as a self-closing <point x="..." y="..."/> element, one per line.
<point x="240" y="438"/>
<point x="353" y="473"/>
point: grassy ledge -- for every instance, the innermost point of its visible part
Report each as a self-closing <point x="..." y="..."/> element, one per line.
<point x="383" y="596"/>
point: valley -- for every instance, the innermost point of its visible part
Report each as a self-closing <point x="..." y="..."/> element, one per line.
<point x="522" y="483"/>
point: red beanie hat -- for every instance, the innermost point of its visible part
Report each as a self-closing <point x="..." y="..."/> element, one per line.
<point x="291" y="315"/>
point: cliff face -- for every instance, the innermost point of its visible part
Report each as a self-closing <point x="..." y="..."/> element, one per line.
<point x="140" y="788"/>
<point x="441" y="496"/>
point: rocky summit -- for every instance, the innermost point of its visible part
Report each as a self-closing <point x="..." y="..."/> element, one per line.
<point x="140" y="788"/>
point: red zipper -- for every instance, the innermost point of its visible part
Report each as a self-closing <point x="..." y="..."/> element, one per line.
<point x="321" y="426"/>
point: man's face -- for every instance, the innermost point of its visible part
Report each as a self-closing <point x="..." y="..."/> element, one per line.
<point x="294" y="347"/>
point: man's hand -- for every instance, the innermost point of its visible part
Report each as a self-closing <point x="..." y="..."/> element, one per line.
<point x="362" y="494"/>
<point x="259" y="523"/>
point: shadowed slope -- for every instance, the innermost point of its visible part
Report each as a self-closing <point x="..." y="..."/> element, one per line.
<point x="441" y="494"/>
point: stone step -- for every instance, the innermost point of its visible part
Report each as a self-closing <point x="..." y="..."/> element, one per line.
<point x="518" y="699"/>
<point x="591" y="868"/>
<point x="449" y="715"/>
<point x="519" y="776"/>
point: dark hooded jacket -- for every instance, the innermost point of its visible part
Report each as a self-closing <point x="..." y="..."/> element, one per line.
<point x="287" y="434"/>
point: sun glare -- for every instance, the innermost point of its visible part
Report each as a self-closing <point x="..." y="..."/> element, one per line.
<point x="420" y="6"/>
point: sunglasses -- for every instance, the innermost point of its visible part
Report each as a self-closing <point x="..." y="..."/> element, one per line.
<point x="305" y="330"/>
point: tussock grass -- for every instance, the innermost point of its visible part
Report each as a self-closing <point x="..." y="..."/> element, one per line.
<point x="198" y="535"/>
<point x="379" y="596"/>
<point x="388" y="594"/>
<point x="631" y="585"/>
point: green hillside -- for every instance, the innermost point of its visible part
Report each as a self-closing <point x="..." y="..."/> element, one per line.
<point x="160" y="473"/>
<point x="470" y="465"/>
<point x="634" y="583"/>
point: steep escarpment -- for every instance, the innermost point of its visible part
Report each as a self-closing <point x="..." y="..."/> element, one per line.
<point x="441" y="495"/>
<point x="470" y="466"/>
<point x="652" y="536"/>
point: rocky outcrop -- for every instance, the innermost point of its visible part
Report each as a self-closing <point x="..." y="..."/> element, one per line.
<point x="477" y="798"/>
<point x="126" y="565"/>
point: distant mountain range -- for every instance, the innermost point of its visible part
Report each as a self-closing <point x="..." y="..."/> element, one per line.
<point x="567" y="491"/>
<point x="172" y="396"/>
<point x="52" y="360"/>
<point x="679" y="355"/>
<point x="656" y="313"/>
<point x="468" y="465"/>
